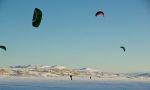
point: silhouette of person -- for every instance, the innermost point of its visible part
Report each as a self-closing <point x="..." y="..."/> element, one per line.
<point x="71" y="77"/>
<point x="90" y="77"/>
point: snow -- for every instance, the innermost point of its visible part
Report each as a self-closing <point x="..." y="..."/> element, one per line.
<point x="88" y="69"/>
<point x="36" y="83"/>
<point x="58" y="67"/>
<point x="62" y="73"/>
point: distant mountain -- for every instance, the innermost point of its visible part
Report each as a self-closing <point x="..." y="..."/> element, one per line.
<point x="58" y="70"/>
<point x="58" y="67"/>
<point x="20" y="66"/>
<point x="143" y="75"/>
<point x="88" y="70"/>
<point x="43" y="66"/>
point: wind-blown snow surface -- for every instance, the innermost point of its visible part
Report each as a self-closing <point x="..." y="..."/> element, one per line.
<point x="49" y="84"/>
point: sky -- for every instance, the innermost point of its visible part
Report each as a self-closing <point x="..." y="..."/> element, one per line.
<point x="71" y="35"/>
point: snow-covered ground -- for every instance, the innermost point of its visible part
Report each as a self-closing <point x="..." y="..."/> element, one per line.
<point x="35" y="83"/>
<point x="41" y="77"/>
<point x="63" y="73"/>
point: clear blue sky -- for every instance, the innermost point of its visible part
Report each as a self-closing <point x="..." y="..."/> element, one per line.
<point x="71" y="35"/>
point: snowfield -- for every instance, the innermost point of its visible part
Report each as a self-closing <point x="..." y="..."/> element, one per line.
<point x="35" y="83"/>
<point x="63" y="73"/>
<point x="58" y="78"/>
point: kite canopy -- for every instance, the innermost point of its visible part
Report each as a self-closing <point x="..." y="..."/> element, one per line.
<point x="99" y="13"/>
<point x="123" y="48"/>
<point x="3" y="47"/>
<point x="37" y="17"/>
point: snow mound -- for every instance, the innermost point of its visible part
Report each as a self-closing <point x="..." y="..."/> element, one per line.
<point x="88" y="69"/>
<point x="58" y="67"/>
<point x="43" y="66"/>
